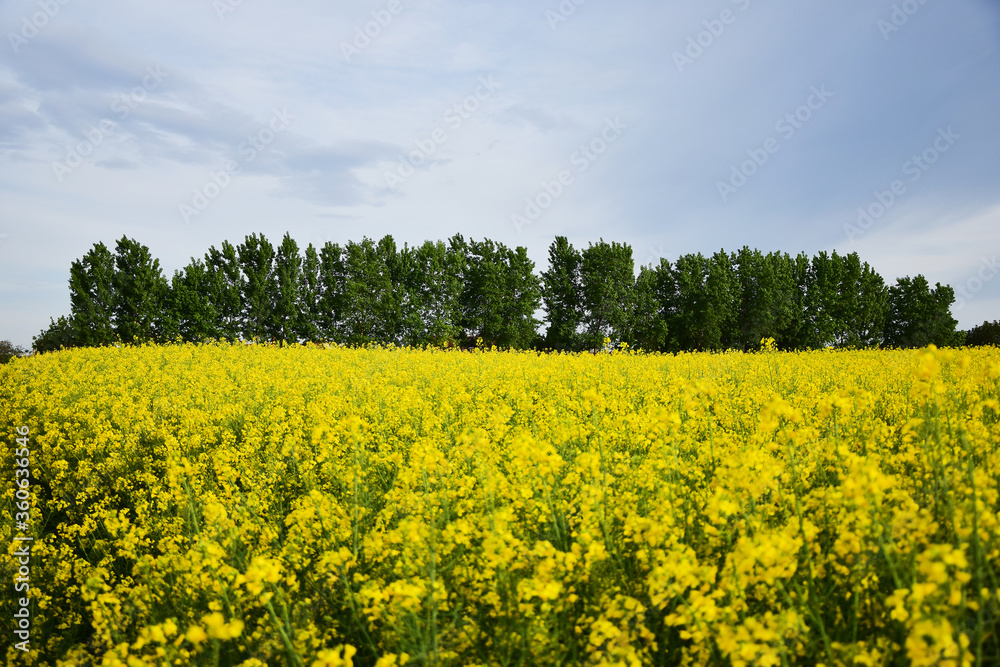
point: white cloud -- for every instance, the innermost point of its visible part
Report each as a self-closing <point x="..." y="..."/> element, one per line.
<point x="324" y="177"/>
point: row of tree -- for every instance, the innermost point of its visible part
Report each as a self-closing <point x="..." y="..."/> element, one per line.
<point x="734" y="300"/>
<point x="9" y="350"/>
<point x="987" y="333"/>
<point x="457" y="292"/>
<point x="355" y="294"/>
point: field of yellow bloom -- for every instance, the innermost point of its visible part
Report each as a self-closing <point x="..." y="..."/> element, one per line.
<point x="258" y="505"/>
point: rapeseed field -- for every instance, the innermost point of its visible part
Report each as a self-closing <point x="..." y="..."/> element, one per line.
<point x="249" y="505"/>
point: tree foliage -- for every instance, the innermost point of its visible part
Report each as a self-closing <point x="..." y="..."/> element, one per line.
<point x="8" y="351"/>
<point x="468" y="291"/>
<point x="987" y="333"/>
<point x="607" y="279"/>
<point x="561" y="296"/>
<point x="919" y="315"/>
<point x="500" y="294"/>
<point x="225" y="284"/>
<point x="256" y="256"/>
<point x="91" y="298"/>
<point x="194" y="313"/>
<point x="139" y="294"/>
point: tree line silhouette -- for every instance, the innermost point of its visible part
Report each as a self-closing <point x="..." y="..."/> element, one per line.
<point x="458" y="292"/>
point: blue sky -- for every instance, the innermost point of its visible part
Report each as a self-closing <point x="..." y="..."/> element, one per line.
<point x="674" y="127"/>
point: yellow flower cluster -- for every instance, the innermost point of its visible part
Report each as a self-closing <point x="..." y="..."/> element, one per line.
<point x="256" y="505"/>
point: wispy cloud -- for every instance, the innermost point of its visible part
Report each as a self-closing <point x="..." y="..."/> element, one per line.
<point x="325" y="175"/>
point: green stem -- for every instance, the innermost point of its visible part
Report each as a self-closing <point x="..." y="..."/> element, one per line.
<point x="293" y="657"/>
<point x="809" y="559"/>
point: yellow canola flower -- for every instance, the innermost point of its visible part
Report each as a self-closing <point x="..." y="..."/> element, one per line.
<point x="196" y="635"/>
<point x="342" y="656"/>
<point x="286" y="504"/>
<point x="262" y="570"/>
<point x="218" y="628"/>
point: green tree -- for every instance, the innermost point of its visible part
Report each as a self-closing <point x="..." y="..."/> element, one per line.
<point x="139" y="293"/>
<point x="920" y="316"/>
<point x="8" y="351"/>
<point x="308" y="327"/>
<point x="699" y="297"/>
<point x="607" y="278"/>
<point x="432" y="289"/>
<point x="562" y="296"/>
<point x="225" y="290"/>
<point x="863" y="301"/>
<point x="500" y="293"/>
<point x="390" y="306"/>
<point x="370" y="311"/>
<point x="285" y="285"/>
<point x="683" y="293"/>
<point x="799" y="333"/>
<point x="333" y="298"/>
<point x="91" y="295"/>
<point x="59" y="334"/>
<point x="766" y="297"/>
<point x="648" y="326"/>
<point x="822" y="300"/>
<point x="523" y="298"/>
<point x="722" y="292"/>
<point x="754" y="319"/>
<point x="193" y="314"/>
<point x="786" y="299"/>
<point x="987" y="333"/>
<point x="256" y="256"/>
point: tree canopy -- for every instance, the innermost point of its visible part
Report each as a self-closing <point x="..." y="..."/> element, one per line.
<point x="987" y="333"/>
<point x="466" y="291"/>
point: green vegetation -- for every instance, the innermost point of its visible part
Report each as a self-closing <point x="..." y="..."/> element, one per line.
<point x="458" y="292"/>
